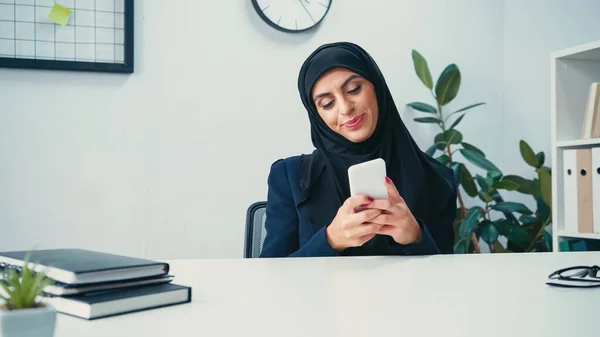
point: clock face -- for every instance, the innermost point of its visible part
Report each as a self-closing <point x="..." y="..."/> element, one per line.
<point x="292" y="15"/>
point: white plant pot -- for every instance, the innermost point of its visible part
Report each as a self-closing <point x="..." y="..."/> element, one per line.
<point x="36" y="322"/>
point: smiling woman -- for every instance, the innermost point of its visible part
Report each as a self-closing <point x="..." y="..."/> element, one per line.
<point x="353" y="118"/>
<point x="347" y="103"/>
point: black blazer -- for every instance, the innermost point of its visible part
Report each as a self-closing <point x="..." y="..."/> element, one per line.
<point x="296" y="223"/>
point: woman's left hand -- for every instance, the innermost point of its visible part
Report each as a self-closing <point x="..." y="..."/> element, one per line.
<point x="397" y="220"/>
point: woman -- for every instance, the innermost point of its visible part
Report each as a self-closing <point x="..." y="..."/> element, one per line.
<point x="354" y="119"/>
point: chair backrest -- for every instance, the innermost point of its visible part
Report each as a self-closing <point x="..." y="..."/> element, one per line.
<point x="255" y="229"/>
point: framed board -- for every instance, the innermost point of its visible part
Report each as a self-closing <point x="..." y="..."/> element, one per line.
<point x="90" y="35"/>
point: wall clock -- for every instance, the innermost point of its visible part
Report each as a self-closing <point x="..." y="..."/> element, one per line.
<point x="292" y="16"/>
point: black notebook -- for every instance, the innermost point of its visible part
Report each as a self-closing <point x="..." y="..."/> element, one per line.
<point x="115" y="302"/>
<point x="63" y="289"/>
<point x="80" y="266"/>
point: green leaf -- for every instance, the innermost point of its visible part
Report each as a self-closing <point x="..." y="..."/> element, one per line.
<point x="493" y="176"/>
<point x="457" y="172"/>
<point x="528" y="154"/>
<point x="510" y="206"/>
<point x="467" y="182"/>
<point x="453" y="136"/>
<point x="427" y="120"/>
<point x="512" y="232"/>
<point x="525" y="185"/>
<point x="439" y="141"/>
<point x="472" y="148"/>
<point x="505" y="185"/>
<point x="543" y="210"/>
<point x="478" y="160"/>
<point x="495" y="195"/>
<point x="422" y="69"/>
<point x="483" y="185"/>
<point x="444" y="159"/>
<point x="541" y="158"/>
<point x="423" y="107"/>
<point x="431" y="150"/>
<point x="498" y="248"/>
<point x="447" y="85"/>
<point x="485" y="197"/>
<point x="545" y="186"/>
<point x="548" y="240"/>
<point x="536" y="189"/>
<point x="527" y="219"/>
<point x="461" y="246"/>
<point x="489" y="232"/>
<point x="470" y="221"/>
<point x="6" y="289"/>
<point x="457" y="121"/>
<point x="468" y="107"/>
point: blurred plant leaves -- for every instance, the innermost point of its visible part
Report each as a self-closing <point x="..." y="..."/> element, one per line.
<point x="510" y="206"/>
<point x="470" y="221"/>
<point x="467" y="181"/>
<point x="467" y="108"/>
<point x="545" y="185"/>
<point x="489" y="232"/>
<point x="478" y="160"/>
<point x="525" y="185"/>
<point x="505" y="185"/>
<point x="457" y="121"/>
<point x="528" y="154"/>
<point x="512" y="232"/>
<point x="439" y="141"/>
<point x="541" y="158"/>
<point x="422" y="69"/>
<point x="447" y="85"/>
<point x="423" y="107"/>
<point x="427" y="120"/>
<point x="472" y="148"/>
<point x="453" y="136"/>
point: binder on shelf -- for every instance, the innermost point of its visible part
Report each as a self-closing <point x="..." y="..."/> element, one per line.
<point x="585" y="206"/>
<point x="596" y="187"/>
<point x="570" y="191"/>
<point x="591" y="119"/>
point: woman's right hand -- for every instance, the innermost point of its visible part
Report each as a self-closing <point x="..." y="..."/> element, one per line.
<point x="351" y="228"/>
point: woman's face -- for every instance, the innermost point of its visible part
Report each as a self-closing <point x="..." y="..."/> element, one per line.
<point x="347" y="103"/>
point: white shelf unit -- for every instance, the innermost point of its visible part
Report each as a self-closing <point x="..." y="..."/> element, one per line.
<point x="573" y="70"/>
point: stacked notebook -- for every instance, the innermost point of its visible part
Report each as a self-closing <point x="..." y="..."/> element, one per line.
<point x="90" y="284"/>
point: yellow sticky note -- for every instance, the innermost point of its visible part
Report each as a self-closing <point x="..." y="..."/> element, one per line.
<point x="60" y="14"/>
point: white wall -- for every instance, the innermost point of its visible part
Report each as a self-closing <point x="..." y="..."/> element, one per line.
<point x="163" y="163"/>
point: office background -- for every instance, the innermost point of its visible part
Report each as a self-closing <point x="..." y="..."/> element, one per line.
<point x="164" y="162"/>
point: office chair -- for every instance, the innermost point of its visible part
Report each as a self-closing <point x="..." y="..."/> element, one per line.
<point x="255" y="229"/>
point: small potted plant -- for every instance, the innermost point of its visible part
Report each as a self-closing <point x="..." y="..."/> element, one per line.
<point x="22" y="314"/>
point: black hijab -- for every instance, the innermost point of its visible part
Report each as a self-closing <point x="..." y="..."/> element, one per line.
<point x="425" y="184"/>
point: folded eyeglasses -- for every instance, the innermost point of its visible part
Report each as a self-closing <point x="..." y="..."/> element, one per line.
<point x="575" y="277"/>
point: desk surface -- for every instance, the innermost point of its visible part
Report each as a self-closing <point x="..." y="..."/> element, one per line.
<point x="461" y="295"/>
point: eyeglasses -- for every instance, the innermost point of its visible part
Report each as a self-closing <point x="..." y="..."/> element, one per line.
<point x="575" y="277"/>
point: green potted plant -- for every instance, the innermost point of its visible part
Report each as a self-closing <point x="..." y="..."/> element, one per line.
<point x="524" y="229"/>
<point x="22" y="314"/>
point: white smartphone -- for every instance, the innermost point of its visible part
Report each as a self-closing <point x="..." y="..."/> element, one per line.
<point x="368" y="178"/>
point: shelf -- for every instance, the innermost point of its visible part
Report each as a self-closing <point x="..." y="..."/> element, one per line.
<point x="589" y="51"/>
<point x="572" y="72"/>
<point x="579" y="235"/>
<point x="578" y="143"/>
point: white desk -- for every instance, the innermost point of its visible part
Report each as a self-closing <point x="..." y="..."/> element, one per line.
<point x="461" y="295"/>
